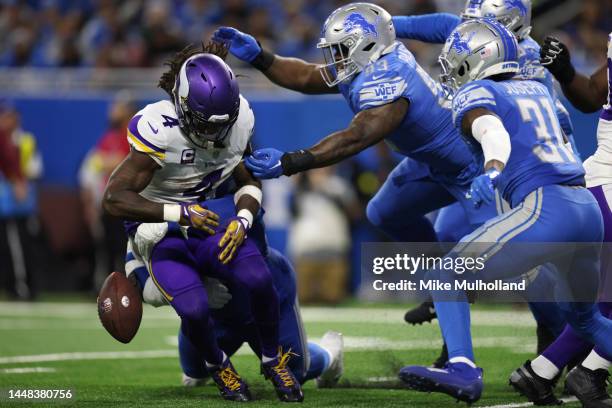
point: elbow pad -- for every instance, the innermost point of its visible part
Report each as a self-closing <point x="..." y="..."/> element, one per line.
<point x="490" y="132"/>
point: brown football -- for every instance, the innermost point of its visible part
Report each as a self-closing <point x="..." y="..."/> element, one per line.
<point x="120" y="307"/>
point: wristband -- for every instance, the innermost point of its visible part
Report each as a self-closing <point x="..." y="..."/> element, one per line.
<point x="245" y="215"/>
<point x="172" y="212"/>
<point x="294" y="162"/>
<point x="263" y="60"/>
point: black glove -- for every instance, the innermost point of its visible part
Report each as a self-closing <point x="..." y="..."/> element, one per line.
<point x="555" y="56"/>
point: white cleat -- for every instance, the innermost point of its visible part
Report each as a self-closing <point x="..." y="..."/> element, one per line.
<point x="333" y="342"/>
<point x="190" y="382"/>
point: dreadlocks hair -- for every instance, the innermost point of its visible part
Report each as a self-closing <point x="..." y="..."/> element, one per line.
<point x="166" y="82"/>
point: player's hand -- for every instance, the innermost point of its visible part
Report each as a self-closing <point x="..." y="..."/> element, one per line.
<point x="218" y="294"/>
<point x="242" y="46"/>
<point x="482" y="189"/>
<point x="194" y="215"/>
<point x="232" y="239"/>
<point x="555" y="56"/>
<point x="147" y="236"/>
<point x="265" y="163"/>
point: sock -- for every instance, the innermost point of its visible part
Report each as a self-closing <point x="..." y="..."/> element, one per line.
<point x="568" y="345"/>
<point x="192" y="361"/>
<point x="320" y="359"/>
<point x="595" y="362"/>
<point x="544" y="368"/>
<point x="223" y="358"/>
<point x="463" y="360"/>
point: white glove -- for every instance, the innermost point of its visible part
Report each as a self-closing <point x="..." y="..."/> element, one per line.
<point x="218" y="294"/>
<point x="147" y="236"/>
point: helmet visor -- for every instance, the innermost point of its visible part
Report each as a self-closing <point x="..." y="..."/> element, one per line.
<point x="338" y="64"/>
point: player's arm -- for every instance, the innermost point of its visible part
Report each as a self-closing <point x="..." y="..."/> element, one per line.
<point x="367" y="128"/>
<point x="248" y="202"/>
<point x="488" y="130"/>
<point x="122" y="199"/>
<point x="290" y="73"/>
<point x="432" y="28"/>
<point x="587" y="94"/>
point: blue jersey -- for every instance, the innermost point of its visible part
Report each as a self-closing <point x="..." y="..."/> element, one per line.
<point x="539" y="156"/>
<point x="426" y="133"/>
<point x="437" y="27"/>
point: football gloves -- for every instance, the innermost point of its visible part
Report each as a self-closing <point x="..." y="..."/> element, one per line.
<point x="232" y="239"/>
<point x="194" y="215"/>
<point x="482" y="189"/>
<point x="242" y="46"/>
<point x="265" y="163"/>
<point x="555" y="56"/>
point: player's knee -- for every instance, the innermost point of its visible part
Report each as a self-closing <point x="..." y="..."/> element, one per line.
<point x="192" y="305"/>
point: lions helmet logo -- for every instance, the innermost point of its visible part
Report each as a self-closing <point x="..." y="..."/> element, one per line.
<point x="516" y="4"/>
<point x="357" y="21"/>
<point x="459" y="44"/>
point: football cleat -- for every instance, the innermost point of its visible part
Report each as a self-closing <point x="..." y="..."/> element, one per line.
<point x="459" y="380"/>
<point x="191" y="382"/>
<point x="440" y="362"/>
<point x="589" y="386"/>
<point x="423" y="313"/>
<point x="537" y="389"/>
<point x="230" y="384"/>
<point x="334" y="343"/>
<point x="287" y="387"/>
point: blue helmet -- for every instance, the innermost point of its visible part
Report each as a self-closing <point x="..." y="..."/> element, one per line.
<point x="206" y="98"/>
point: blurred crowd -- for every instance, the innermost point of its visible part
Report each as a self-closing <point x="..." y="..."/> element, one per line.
<point x="139" y="33"/>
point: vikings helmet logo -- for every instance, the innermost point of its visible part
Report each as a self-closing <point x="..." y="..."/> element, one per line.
<point x="356" y="21"/>
<point x="516" y="4"/>
<point x="459" y="44"/>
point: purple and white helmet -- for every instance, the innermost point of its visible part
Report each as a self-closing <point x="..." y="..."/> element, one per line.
<point x="206" y="99"/>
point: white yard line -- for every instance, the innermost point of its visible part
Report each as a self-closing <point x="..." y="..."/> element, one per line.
<point x="94" y="355"/>
<point x="527" y="404"/>
<point x="519" y="318"/>
<point x="27" y="370"/>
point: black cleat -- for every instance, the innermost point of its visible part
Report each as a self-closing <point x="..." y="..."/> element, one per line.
<point x="287" y="387"/>
<point x="589" y="386"/>
<point x="442" y="358"/>
<point x="425" y="312"/>
<point x="538" y="390"/>
<point x="230" y="384"/>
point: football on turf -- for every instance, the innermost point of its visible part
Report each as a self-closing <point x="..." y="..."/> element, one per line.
<point x="120" y="307"/>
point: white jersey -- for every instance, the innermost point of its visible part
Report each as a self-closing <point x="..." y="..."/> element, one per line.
<point x="188" y="173"/>
<point x="599" y="165"/>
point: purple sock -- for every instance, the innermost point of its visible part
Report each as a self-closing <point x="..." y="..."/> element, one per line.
<point x="568" y="345"/>
<point x="255" y="275"/>
<point x="606" y="310"/>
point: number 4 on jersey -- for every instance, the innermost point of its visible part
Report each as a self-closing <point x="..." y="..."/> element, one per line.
<point x="169" y="121"/>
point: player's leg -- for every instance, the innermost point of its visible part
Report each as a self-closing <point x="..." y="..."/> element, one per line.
<point x="173" y="270"/>
<point x="529" y="222"/>
<point x="400" y="206"/>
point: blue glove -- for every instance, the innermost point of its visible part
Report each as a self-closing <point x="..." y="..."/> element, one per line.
<point x="482" y="189"/>
<point x="242" y="46"/>
<point x="265" y="163"/>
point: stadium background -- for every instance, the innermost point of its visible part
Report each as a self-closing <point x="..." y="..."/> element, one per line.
<point x="64" y="63"/>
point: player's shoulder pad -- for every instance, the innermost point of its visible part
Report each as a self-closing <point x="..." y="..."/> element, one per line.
<point x="477" y="94"/>
<point x="386" y="79"/>
<point x="246" y="117"/>
<point x="146" y="132"/>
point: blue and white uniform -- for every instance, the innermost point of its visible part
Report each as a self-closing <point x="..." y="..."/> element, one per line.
<point x="234" y="324"/>
<point x="435" y="28"/>
<point x="439" y="167"/>
<point x="544" y="183"/>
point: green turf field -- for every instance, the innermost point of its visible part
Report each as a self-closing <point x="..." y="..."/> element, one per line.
<point x="62" y="345"/>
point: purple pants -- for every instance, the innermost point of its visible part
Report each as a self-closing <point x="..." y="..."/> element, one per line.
<point x="177" y="268"/>
<point x="569" y="344"/>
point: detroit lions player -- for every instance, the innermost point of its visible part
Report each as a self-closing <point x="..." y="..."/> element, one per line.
<point x="393" y="99"/>
<point x="230" y="311"/>
<point x="183" y="152"/>
<point x="527" y="161"/>
<point x="588" y="380"/>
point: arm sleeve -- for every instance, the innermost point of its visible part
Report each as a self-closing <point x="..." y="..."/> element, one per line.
<point x="385" y="85"/>
<point x="431" y="28"/>
<point x="147" y="136"/>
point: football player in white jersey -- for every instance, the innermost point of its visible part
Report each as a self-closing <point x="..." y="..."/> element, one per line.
<point x="588" y="380"/>
<point x="184" y="151"/>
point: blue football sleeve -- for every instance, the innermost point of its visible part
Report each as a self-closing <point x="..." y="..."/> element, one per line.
<point x="432" y="28"/>
<point x="470" y="97"/>
<point x="564" y="118"/>
<point x="382" y="87"/>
